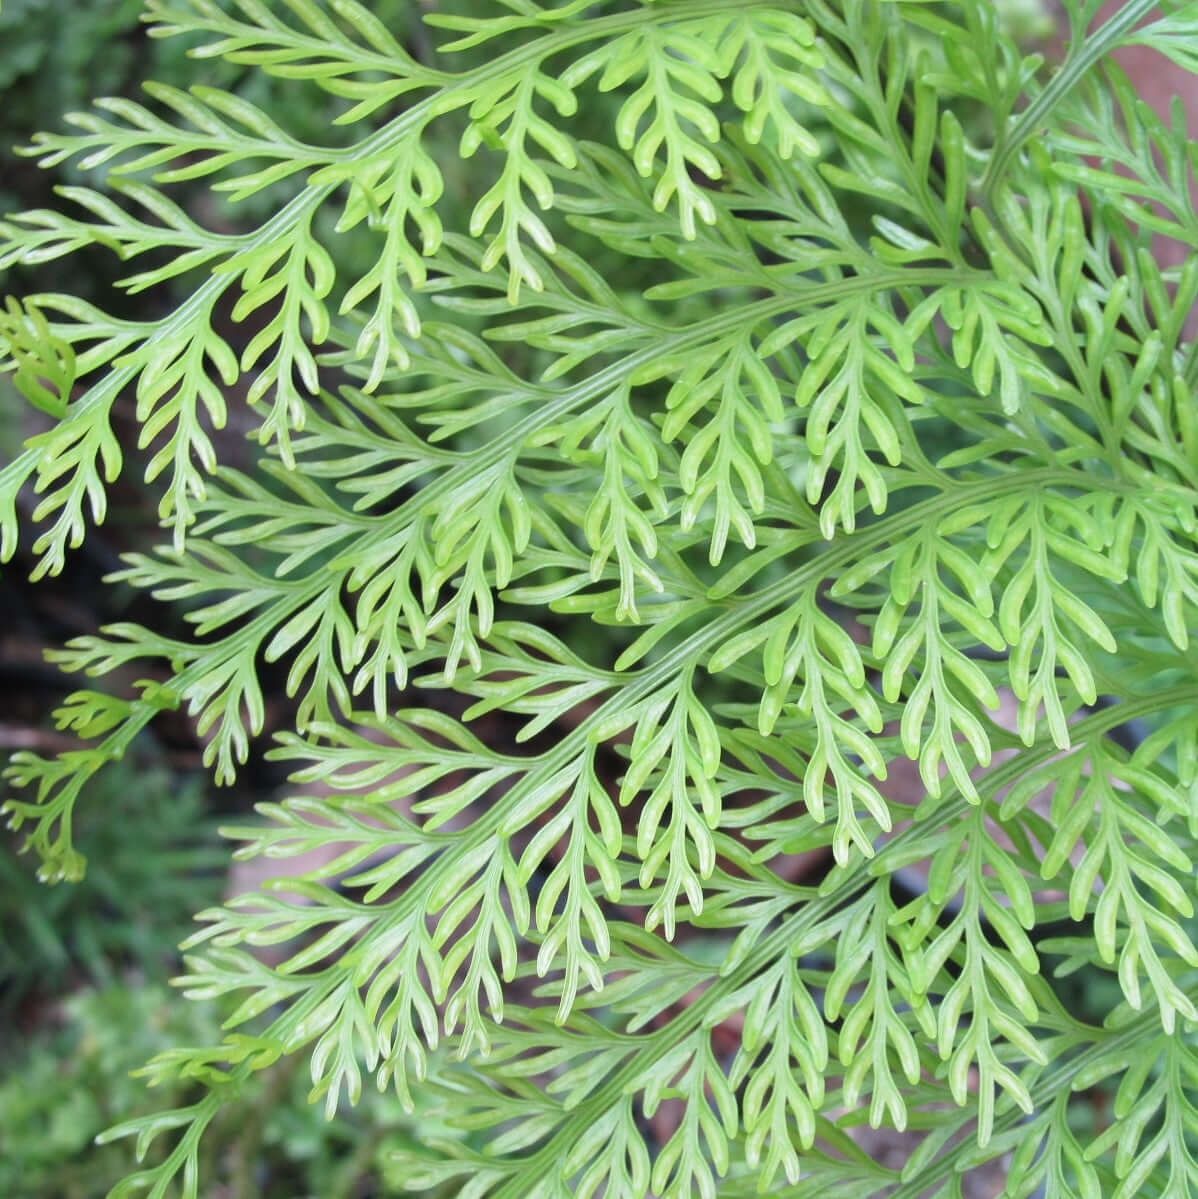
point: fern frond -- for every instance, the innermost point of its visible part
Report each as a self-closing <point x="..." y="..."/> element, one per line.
<point x="673" y="421"/>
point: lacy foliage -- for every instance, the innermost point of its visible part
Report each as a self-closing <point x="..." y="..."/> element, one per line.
<point x="748" y="319"/>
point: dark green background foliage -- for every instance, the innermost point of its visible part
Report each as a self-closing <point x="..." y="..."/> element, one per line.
<point x="702" y="502"/>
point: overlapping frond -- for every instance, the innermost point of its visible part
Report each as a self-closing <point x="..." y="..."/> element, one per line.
<point x="770" y="398"/>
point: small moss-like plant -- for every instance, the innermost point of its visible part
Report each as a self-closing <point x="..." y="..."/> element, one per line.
<point x="738" y="399"/>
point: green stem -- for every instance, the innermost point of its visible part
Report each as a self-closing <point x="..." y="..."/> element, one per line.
<point x="1083" y="54"/>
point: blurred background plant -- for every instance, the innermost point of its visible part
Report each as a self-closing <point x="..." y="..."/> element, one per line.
<point x="76" y="1076"/>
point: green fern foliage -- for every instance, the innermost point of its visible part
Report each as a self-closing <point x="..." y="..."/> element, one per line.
<point x="734" y="404"/>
